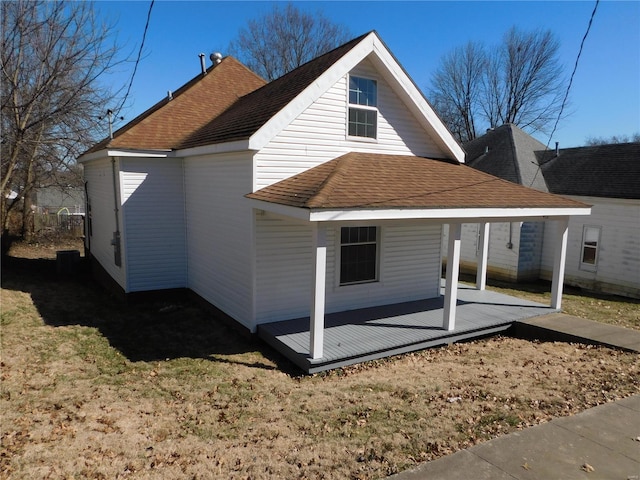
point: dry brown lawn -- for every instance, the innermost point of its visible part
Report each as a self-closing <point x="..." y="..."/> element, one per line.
<point x="94" y="388"/>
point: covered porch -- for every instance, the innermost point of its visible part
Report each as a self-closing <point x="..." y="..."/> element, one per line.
<point x="373" y="191"/>
<point x="370" y="333"/>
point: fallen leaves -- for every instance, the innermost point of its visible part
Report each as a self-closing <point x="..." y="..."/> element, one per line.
<point x="587" y="468"/>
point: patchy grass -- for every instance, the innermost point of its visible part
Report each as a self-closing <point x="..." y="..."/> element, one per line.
<point x="612" y="309"/>
<point x="94" y="388"/>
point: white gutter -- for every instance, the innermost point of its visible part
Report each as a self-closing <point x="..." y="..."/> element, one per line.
<point x="440" y="214"/>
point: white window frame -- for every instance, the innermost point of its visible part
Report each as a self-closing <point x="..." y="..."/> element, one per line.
<point x="338" y="256"/>
<point x="358" y="106"/>
<point x="590" y="267"/>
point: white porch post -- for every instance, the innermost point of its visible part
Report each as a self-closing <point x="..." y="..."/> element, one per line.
<point x="316" y="327"/>
<point x="481" y="273"/>
<point x="559" y="262"/>
<point x="451" y="281"/>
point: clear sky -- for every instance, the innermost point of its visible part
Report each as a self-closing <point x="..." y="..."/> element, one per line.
<point x="604" y="98"/>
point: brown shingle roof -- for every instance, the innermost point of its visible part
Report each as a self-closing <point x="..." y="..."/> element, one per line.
<point x="252" y="111"/>
<point x="365" y="180"/>
<point x="167" y="124"/>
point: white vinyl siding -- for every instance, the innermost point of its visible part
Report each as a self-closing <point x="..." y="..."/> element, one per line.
<point x="502" y="262"/>
<point x="409" y="268"/>
<point x="154" y="233"/>
<point x="99" y="177"/>
<point x="618" y="269"/>
<point x="219" y="229"/>
<point x="530" y="250"/>
<point x="319" y="133"/>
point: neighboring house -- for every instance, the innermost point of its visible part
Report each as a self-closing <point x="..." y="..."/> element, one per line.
<point x="59" y="200"/>
<point x="603" y="248"/>
<point x="323" y="191"/>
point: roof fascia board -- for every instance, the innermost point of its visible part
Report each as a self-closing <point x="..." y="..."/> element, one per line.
<point x="464" y="215"/>
<point x="415" y="101"/>
<point x="226" y="147"/>
<point x="444" y="215"/>
<point x="282" y="210"/>
<point x="108" y="152"/>
<point x="305" y="99"/>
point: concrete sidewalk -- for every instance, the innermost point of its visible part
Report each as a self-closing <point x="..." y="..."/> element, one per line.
<point x="562" y="327"/>
<point x="599" y="443"/>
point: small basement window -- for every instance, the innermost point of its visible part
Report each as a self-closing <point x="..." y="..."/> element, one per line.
<point x="590" y="246"/>
<point x="358" y="255"/>
<point x="363" y="119"/>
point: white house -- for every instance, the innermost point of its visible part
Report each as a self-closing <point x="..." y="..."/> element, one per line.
<point x="323" y="191"/>
<point x="603" y="252"/>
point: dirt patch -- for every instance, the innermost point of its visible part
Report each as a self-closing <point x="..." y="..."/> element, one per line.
<point x="93" y="388"/>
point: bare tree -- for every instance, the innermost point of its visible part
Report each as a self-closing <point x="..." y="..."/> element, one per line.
<point x="53" y="55"/>
<point x="519" y="81"/>
<point x="594" y="141"/>
<point x="284" y="39"/>
<point x="530" y="85"/>
<point x="457" y="87"/>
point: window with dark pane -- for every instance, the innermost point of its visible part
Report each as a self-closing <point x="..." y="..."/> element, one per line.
<point x="363" y="91"/>
<point x="358" y="255"/>
<point x="363" y="122"/>
<point x="590" y="238"/>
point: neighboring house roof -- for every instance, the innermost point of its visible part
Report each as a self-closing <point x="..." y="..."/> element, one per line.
<point x="371" y="181"/>
<point x="600" y="171"/>
<point x="169" y="123"/>
<point x="509" y="153"/>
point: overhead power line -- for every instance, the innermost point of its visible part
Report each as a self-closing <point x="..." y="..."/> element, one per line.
<point x="135" y="67"/>
<point x="566" y="95"/>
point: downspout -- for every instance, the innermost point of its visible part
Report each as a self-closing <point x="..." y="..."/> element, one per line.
<point x="115" y="241"/>
<point x="88" y="227"/>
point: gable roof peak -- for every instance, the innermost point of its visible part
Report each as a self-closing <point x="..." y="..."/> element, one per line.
<point x="509" y="153"/>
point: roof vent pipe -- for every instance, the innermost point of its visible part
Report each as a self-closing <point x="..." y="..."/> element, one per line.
<point x="202" y="64"/>
<point x="557" y="148"/>
<point x="216" y="58"/>
<point x="486" y="149"/>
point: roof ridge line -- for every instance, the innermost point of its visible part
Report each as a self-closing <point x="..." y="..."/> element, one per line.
<point x="327" y="187"/>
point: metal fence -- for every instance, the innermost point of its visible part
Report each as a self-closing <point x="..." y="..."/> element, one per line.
<point x="61" y="223"/>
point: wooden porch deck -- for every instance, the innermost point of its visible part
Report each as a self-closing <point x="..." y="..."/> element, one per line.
<point x="366" y="334"/>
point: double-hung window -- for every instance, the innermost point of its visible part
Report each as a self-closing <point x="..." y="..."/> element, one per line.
<point x="590" y="241"/>
<point x="363" y="107"/>
<point x="358" y="255"/>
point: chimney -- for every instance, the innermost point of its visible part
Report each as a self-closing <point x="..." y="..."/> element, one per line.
<point x="202" y="64"/>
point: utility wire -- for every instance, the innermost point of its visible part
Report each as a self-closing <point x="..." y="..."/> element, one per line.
<point x="135" y="68"/>
<point x="566" y="95"/>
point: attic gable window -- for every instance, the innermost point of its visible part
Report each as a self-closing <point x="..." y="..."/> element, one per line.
<point x="363" y="120"/>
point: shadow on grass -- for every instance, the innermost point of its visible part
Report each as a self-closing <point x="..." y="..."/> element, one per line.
<point x="174" y="327"/>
